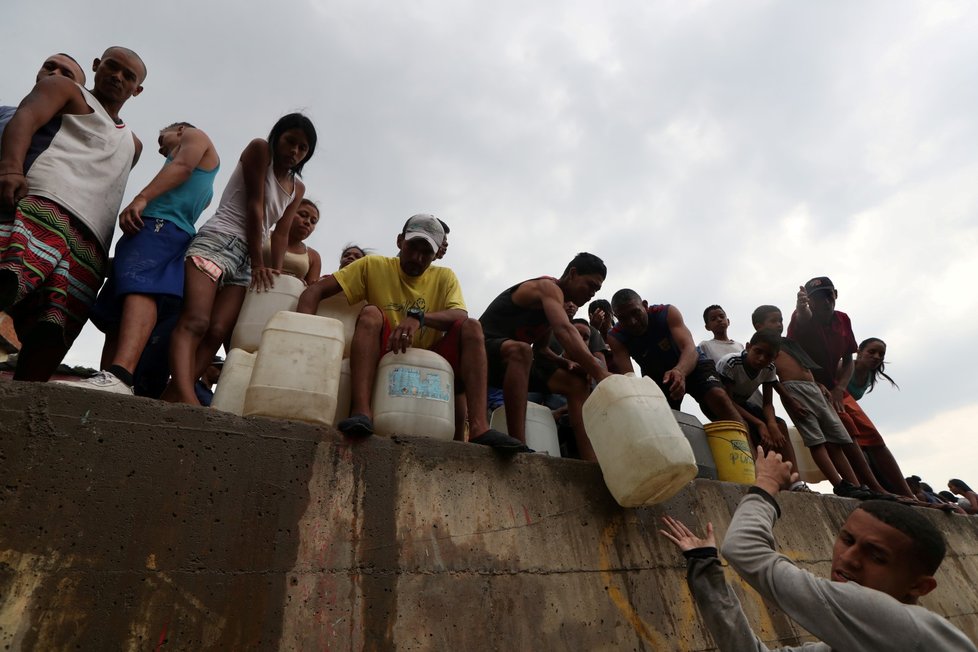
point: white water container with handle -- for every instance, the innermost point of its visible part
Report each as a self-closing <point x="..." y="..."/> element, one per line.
<point x="644" y="457"/>
<point x="259" y="307"/>
<point x="414" y="395"/>
<point x="229" y="395"/>
<point x="541" y="429"/>
<point x="297" y="370"/>
<point x="808" y="470"/>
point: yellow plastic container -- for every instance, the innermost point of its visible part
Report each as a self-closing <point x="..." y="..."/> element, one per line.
<point x="414" y="395"/>
<point x="731" y="451"/>
<point x="259" y="307"/>
<point x="807" y="469"/>
<point x="541" y="429"/>
<point x="336" y="307"/>
<point x="297" y="369"/>
<point x="644" y="457"/>
<point x="229" y="395"/>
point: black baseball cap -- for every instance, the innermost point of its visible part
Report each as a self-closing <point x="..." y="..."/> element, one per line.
<point x="819" y="284"/>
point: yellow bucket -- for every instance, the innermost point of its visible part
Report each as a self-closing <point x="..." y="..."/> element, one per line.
<point x="731" y="451"/>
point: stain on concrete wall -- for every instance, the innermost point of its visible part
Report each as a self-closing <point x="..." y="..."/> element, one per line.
<point x="130" y="524"/>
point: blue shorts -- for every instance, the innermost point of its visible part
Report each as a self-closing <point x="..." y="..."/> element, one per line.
<point x="149" y="262"/>
<point x="221" y="256"/>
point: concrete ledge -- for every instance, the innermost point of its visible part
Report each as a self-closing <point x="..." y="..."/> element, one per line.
<point x="127" y="524"/>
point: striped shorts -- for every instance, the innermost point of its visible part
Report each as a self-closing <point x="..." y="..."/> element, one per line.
<point x="59" y="265"/>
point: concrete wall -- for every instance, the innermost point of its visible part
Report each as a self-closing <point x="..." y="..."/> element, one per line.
<point x="127" y="524"/>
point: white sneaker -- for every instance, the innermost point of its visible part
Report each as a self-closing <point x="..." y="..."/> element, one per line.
<point x="103" y="381"/>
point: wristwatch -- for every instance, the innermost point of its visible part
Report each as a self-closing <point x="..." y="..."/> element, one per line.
<point x="418" y="314"/>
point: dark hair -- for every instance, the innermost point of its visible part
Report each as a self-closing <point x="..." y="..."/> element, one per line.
<point x="929" y="546"/>
<point x="769" y="337"/>
<point x="875" y="375"/>
<point x="178" y="124"/>
<point x="580" y="320"/>
<point x="129" y="52"/>
<point x="353" y="245"/>
<point x="760" y="312"/>
<point x="585" y="263"/>
<point x="306" y="200"/>
<point x="623" y="296"/>
<point x="706" y="313"/>
<point x="598" y="304"/>
<point x="948" y="496"/>
<point x="960" y="483"/>
<point x="294" y="121"/>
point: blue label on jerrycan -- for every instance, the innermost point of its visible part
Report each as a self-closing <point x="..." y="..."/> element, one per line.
<point x="410" y="382"/>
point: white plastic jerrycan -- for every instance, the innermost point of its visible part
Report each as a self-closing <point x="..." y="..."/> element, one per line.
<point x="414" y="395"/>
<point x="229" y="395"/>
<point x="644" y="457"/>
<point x="337" y="308"/>
<point x="297" y="369"/>
<point x="541" y="429"/>
<point x="808" y="471"/>
<point x="259" y="307"/>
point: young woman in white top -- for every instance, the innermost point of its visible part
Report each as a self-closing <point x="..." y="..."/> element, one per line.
<point x="225" y="257"/>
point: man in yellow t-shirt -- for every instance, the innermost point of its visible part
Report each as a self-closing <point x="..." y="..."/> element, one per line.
<point x="410" y="303"/>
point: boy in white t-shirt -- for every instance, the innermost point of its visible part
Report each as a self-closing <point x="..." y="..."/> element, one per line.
<point x="715" y="319"/>
<point x="742" y="374"/>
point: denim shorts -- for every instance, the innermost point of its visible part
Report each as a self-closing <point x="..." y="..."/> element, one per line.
<point x="222" y="256"/>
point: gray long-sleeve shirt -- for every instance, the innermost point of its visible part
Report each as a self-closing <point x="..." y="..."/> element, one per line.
<point x="847" y="617"/>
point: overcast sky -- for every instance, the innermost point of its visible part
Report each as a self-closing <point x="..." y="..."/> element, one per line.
<point x="710" y="152"/>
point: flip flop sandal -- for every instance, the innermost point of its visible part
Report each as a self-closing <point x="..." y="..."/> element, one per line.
<point x="358" y="425"/>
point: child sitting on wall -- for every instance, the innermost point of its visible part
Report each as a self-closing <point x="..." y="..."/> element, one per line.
<point x="716" y="321"/>
<point x="742" y="374"/>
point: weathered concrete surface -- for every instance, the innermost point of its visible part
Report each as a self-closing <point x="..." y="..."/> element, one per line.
<point x="129" y="524"/>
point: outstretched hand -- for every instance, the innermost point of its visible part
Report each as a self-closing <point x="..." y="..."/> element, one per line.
<point x="677" y="532"/>
<point x="773" y="472"/>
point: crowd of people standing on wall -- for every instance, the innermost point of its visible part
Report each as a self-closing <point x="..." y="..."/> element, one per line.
<point x="173" y="293"/>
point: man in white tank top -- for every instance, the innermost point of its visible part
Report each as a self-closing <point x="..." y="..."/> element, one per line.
<point x="65" y="157"/>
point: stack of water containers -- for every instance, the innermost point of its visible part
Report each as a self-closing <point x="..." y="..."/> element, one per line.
<point x="644" y="457"/>
<point x="257" y="309"/>
<point x="287" y="365"/>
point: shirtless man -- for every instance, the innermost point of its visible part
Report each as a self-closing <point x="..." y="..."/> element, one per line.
<point x="65" y="158"/>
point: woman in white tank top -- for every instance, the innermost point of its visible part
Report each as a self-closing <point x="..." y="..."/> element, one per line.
<point x="225" y="257"/>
